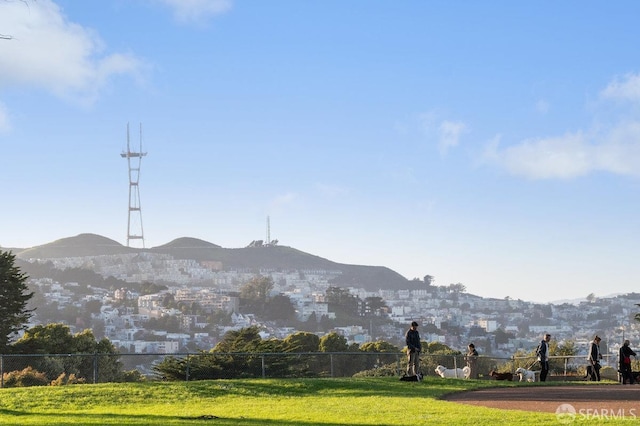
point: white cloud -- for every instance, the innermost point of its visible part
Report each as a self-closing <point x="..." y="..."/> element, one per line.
<point x="571" y="155"/>
<point x="446" y="132"/>
<point x="620" y="153"/>
<point x="625" y="88"/>
<point x="557" y="157"/>
<point x="614" y="148"/>
<point x="197" y="10"/>
<point x="450" y="132"/>
<point x="52" y="53"/>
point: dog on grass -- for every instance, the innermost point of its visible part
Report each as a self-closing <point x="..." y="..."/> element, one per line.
<point x="453" y="373"/>
<point x="526" y="375"/>
<point x="415" y="378"/>
<point x="501" y="376"/>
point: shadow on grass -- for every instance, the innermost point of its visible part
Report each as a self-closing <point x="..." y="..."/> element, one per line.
<point x="75" y="419"/>
<point x="353" y="388"/>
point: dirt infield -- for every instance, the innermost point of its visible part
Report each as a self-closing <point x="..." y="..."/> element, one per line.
<point x="614" y="398"/>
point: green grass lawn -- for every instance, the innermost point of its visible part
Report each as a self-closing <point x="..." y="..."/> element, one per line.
<point x="366" y="401"/>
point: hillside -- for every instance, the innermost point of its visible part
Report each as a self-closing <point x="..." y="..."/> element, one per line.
<point x="78" y="246"/>
<point x="252" y="258"/>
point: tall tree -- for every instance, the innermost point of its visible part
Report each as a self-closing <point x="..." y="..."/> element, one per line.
<point x="14" y="295"/>
<point x="428" y="280"/>
<point x="279" y="307"/>
<point x="255" y="293"/>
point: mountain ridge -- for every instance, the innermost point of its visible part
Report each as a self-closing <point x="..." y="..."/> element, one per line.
<point x="274" y="257"/>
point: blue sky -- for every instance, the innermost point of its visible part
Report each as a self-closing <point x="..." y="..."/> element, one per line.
<point x="493" y="144"/>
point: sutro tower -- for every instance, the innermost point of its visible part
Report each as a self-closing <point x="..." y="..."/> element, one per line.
<point x="134" y="223"/>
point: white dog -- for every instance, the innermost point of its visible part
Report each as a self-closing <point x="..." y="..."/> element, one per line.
<point x="447" y="373"/>
<point x="526" y="375"/>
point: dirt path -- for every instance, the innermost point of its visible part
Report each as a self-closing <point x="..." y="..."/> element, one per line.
<point x="613" y="398"/>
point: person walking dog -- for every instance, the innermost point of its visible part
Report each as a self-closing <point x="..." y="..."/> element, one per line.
<point x="414" y="347"/>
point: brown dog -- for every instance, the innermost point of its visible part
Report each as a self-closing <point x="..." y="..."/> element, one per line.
<point x="501" y="376"/>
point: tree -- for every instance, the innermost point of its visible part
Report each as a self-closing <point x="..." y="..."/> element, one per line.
<point x="57" y="339"/>
<point x="374" y="305"/>
<point x="457" y="288"/>
<point x="377" y="348"/>
<point x="279" y="308"/>
<point x="302" y="342"/>
<point x="333" y="342"/>
<point x="243" y="340"/>
<point x="501" y="336"/>
<point x="255" y="293"/>
<point x="14" y="296"/>
<point x="151" y="288"/>
<point x="342" y="302"/>
<point x="428" y="280"/>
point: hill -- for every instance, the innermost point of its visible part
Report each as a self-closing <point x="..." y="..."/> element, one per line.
<point x="270" y="257"/>
<point x="78" y="246"/>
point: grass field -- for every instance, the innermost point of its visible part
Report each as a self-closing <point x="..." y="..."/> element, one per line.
<point x="367" y="401"/>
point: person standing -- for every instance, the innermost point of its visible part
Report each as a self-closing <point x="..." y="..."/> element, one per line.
<point x="543" y="357"/>
<point x="414" y="347"/>
<point x="594" y="358"/>
<point x="472" y="360"/>
<point x="625" y="363"/>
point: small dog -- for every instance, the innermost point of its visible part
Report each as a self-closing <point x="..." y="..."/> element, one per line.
<point x="501" y="376"/>
<point x="526" y="375"/>
<point x="635" y="375"/>
<point x="415" y="378"/>
<point x="451" y="373"/>
<point x="589" y="373"/>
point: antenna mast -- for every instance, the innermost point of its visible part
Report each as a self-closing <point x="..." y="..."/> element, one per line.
<point x="136" y="231"/>
<point x="268" y="231"/>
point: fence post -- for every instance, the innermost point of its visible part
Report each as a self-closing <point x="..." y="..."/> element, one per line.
<point x="1" y="371"/>
<point x="186" y="370"/>
<point x="264" y="375"/>
<point x="95" y="368"/>
<point x="455" y="365"/>
<point x="331" y="361"/>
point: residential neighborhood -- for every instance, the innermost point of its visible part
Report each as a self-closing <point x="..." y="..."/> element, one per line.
<point x="152" y="323"/>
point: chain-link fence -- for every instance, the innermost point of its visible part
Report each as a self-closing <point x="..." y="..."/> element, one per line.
<point x="24" y="370"/>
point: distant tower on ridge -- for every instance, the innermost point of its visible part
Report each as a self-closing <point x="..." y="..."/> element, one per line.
<point x="268" y="240"/>
<point x="134" y="160"/>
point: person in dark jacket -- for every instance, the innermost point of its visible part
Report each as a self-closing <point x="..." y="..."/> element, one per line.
<point x="414" y="347"/>
<point x="625" y="363"/>
<point x="472" y="360"/>
<point x="543" y="357"/>
<point x="594" y="358"/>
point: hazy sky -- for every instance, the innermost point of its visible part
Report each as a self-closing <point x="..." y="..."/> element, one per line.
<point x="494" y="144"/>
